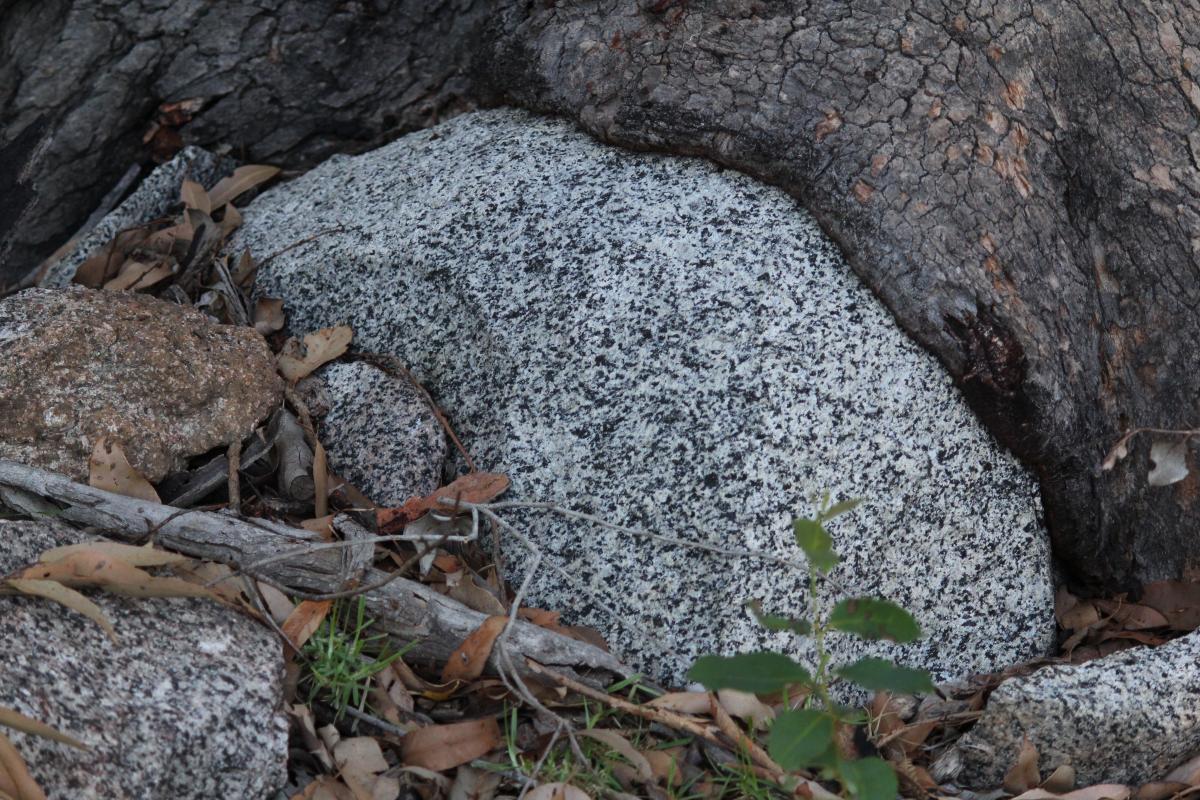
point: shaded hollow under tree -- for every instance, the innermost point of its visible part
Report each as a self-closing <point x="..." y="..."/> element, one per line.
<point x="1017" y="182"/>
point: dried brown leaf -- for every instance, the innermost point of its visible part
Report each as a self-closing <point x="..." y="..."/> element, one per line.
<point x="746" y="706"/>
<point x="18" y="721"/>
<point x="475" y="597"/>
<point x="1023" y="775"/>
<point x="135" y="275"/>
<point x="231" y="221"/>
<point x="474" y="784"/>
<point x="612" y="738"/>
<point x="98" y="569"/>
<point x="1178" y="601"/>
<point x="65" y="596"/>
<point x="1187" y="772"/>
<point x="442" y="747"/>
<point x="301" y="358"/>
<point x="109" y="469"/>
<point x="14" y="775"/>
<point x="1159" y="790"/>
<point x="268" y="315"/>
<point x="137" y="555"/>
<point x="467" y="662"/>
<point x="1103" y="791"/>
<point x="303" y="622"/>
<point x="557" y="791"/>
<point x="103" y="264"/>
<point x="193" y="195"/>
<point x="242" y="180"/>
<point x="1061" y="780"/>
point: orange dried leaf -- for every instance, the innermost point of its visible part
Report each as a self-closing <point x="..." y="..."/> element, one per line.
<point x="15" y="779"/>
<point x="299" y="359"/>
<point x="441" y="747"/>
<point x="467" y="662"/>
<point x="110" y="470"/>
<point x="193" y="195"/>
<point x="18" y="721"/>
<point x="621" y="745"/>
<point x="474" y="487"/>
<point x="268" y="315"/>
<point x="65" y="596"/>
<point x="683" y="702"/>
<point x="557" y="791"/>
<point x="304" y="621"/>
<point x="1023" y="775"/>
<point x="137" y="555"/>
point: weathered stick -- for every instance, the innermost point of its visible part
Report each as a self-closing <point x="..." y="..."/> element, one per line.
<point x="405" y="610"/>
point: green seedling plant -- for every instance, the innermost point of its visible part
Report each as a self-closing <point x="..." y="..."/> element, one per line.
<point x="805" y="738"/>
<point x="342" y="657"/>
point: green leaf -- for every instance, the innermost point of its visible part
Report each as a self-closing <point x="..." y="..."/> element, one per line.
<point x="841" y="508"/>
<point x="800" y="739"/>
<point x="872" y="618"/>
<point x="773" y="622"/>
<point x="879" y="674"/>
<point x="869" y="779"/>
<point x="758" y="673"/>
<point x="815" y="542"/>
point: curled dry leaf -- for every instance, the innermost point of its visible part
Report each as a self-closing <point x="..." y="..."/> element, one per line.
<point x="231" y="221"/>
<point x="1023" y="775"/>
<point x="474" y="784"/>
<point x="1169" y="458"/>
<point x="1178" y="601"/>
<point x="441" y="747"/>
<point x="98" y="569"/>
<point x="109" y="469"/>
<point x="193" y="195"/>
<point x="65" y="596"/>
<point x="18" y="721"/>
<point x="685" y="702"/>
<point x="1188" y="772"/>
<point x="299" y="359"/>
<point x="268" y="315"/>
<point x="557" y="791"/>
<point x="474" y="487"/>
<point x="303" y="622"/>
<point x="15" y="779"/>
<point x="1061" y="780"/>
<point x="135" y="275"/>
<point x="467" y="662"/>
<point x="242" y="180"/>
<point x="612" y="738"/>
<point x="746" y="706"/>
<point x="137" y="555"/>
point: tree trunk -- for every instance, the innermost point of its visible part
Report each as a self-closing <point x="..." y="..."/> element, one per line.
<point x="1017" y="182"/>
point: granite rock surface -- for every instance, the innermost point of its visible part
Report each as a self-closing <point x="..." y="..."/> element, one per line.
<point x="380" y="433"/>
<point x="679" y="349"/>
<point x="187" y="706"/>
<point x="166" y="381"/>
<point x="1126" y="718"/>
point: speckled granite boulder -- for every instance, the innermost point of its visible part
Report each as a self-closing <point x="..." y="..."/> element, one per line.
<point x="380" y="434"/>
<point x="154" y="197"/>
<point x="678" y="348"/>
<point x="1126" y="718"/>
<point x="187" y="706"/>
<point x="166" y="381"/>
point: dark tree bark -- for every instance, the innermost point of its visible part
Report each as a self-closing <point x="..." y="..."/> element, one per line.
<point x="278" y="81"/>
<point x="1018" y="182"/>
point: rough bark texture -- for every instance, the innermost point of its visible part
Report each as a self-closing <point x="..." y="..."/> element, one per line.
<point x="279" y="81"/>
<point x="1018" y="182"/>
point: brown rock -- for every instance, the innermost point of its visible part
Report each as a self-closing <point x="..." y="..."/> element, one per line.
<point x="164" y="380"/>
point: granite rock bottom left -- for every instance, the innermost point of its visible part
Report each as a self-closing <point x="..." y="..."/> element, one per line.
<point x="187" y="705"/>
